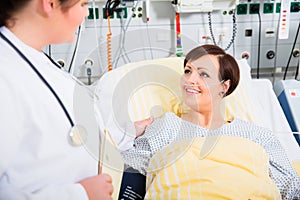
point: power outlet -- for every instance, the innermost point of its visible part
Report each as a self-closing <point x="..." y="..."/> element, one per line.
<point x="268" y="8"/>
<point x="242" y="9"/>
<point x="254" y="8"/>
<point x="295" y="7"/>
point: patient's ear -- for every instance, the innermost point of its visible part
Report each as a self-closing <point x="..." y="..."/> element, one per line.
<point x="226" y="85"/>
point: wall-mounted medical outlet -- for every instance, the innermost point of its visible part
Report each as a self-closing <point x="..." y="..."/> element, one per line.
<point x="270" y="54"/>
<point x="278" y="5"/>
<point x="137" y="12"/>
<point x="61" y="62"/>
<point x="88" y="63"/>
<point x="295" y="7"/>
<point x="254" y="8"/>
<point x="296" y="53"/>
<point x="268" y="8"/>
<point x="241" y="9"/>
<point x="93" y="13"/>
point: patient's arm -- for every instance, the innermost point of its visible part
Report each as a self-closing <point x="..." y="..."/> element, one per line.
<point x="138" y="156"/>
<point x="281" y="169"/>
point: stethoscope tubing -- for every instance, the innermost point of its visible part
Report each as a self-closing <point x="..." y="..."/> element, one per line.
<point x="40" y="76"/>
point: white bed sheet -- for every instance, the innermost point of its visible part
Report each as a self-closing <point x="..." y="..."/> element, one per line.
<point x="273" y="116"/>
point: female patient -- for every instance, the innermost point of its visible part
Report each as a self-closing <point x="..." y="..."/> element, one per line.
<point x="209" y="75"/>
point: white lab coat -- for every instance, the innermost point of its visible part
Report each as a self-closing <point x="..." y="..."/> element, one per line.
<point x="36" y="159"/>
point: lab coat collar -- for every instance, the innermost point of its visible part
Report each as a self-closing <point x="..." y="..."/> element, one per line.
<point x="27" y="50"/>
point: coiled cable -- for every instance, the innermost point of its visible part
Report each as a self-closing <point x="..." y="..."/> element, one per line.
<point x="234" y="30"/>
<point x="108" y="46"/>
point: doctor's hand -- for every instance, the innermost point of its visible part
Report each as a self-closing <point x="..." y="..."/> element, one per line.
<point x="141" y="125"/>
<point x="98" y="187"/>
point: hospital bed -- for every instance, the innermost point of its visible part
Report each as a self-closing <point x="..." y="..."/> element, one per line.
<point x="139" y="90"/>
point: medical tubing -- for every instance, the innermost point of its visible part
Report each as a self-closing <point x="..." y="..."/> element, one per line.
<point x="148" y="36"/>
<point x="258" y="51"/>
<point x="124" y="38"/>
<point x="288" y="63"/>
<point x="40" y="76"/>
<point x="108" y="46"/>
<point x="206" y="84"/>
<point x="75" y="49"/>
<point x="121" y="51"/>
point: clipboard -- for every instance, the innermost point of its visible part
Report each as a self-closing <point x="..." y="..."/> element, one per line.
<point x="111" y="161"/>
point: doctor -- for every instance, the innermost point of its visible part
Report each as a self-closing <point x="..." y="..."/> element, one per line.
<point x="38" y="160"/>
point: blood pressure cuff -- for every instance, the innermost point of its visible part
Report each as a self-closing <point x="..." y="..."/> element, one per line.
<point x="133" y="185"/>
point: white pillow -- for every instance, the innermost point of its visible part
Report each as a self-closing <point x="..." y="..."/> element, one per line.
<point x="139" y="90"/>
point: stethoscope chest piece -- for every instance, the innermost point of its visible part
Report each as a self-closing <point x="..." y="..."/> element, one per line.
<point x="77" y="135"/>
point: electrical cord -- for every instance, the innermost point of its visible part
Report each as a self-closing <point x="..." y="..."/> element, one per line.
<point x="148" y="35"/>
<point x="288" y="63"/>
<point x="75" y="49"/>
<point x="49" y="50"/>
<point x="234" y="30"/>
<point x="121" y="51"/>
<point x="111" y="7"/>
<point x="124" y="30"/>
<point x="258" y="51"/>
<point x="297" y="69"/>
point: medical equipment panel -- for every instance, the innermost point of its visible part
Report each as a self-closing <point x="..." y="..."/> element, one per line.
<point x="288" y="94"/>
<point x="148" y="29"/>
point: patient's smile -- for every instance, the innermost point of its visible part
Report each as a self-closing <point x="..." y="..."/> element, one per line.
<point x="194" y="91"/>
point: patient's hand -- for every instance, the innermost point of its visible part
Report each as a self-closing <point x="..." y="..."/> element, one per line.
<point x="141" y="125"/>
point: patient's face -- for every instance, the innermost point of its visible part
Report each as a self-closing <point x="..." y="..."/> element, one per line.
<point x="200" y="83"/>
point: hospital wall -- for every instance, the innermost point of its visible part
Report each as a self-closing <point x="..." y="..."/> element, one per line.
<point x="133" y="38"/>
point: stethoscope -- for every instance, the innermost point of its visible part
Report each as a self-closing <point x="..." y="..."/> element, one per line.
<point x="77" y="135"/>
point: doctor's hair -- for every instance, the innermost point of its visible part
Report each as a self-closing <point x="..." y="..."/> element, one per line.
<point x="229" y="69"/>
<point x="8" y="8"/>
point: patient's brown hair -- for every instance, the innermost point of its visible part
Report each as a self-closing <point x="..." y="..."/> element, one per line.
<point x="229" y="69"/>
